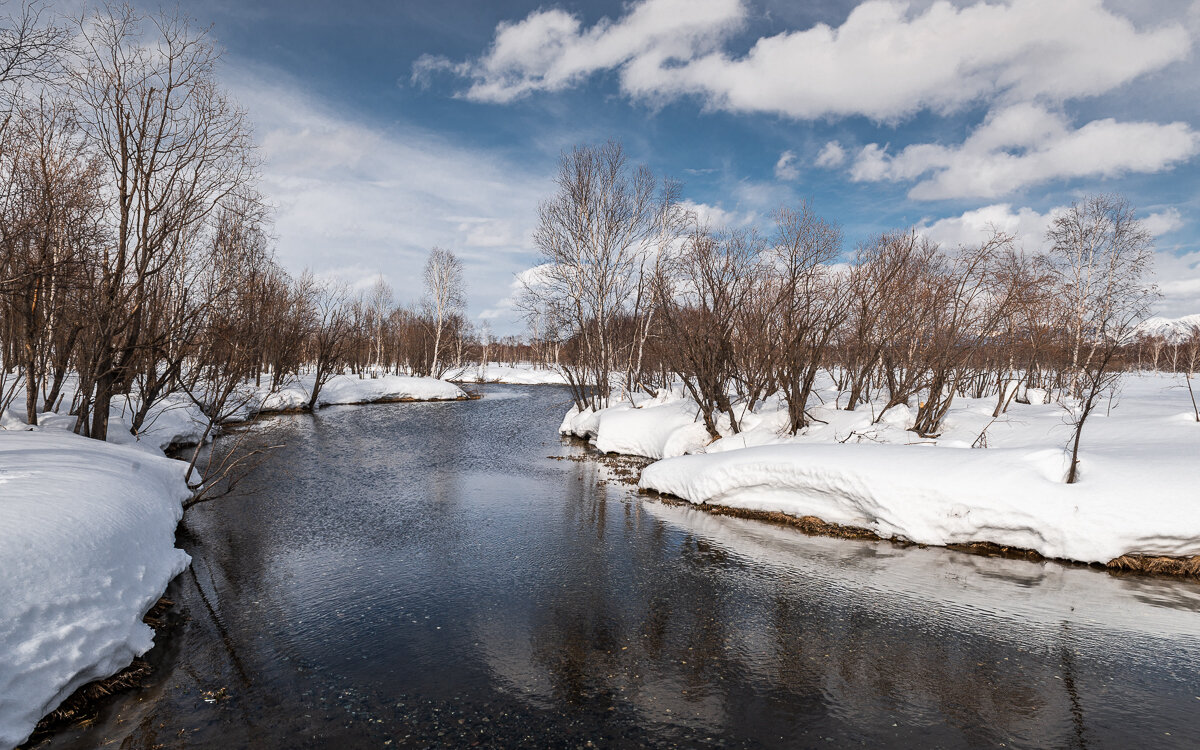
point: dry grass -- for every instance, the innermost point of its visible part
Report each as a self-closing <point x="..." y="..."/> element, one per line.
<point x="1156" y="565"/>
<point x="810" y="525"/>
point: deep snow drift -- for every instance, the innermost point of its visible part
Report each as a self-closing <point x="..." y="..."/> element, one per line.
<point x="87" y="545"/>
<point x="1139" y="491"/>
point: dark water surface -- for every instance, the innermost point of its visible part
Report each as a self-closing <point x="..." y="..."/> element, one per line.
<point x="415" y="575"/>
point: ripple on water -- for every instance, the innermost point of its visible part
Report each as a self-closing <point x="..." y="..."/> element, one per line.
<point x="422" y="573"/>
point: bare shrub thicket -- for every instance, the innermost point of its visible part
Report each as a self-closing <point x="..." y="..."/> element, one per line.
<point x="734" y="316"/>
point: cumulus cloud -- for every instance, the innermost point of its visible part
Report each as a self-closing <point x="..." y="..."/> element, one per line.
<point x="831" y="155"/>
<point x="1178" y="272"/>
<point x="1026" y="224"/>
<point x="785" y="168"/>
<point x="888" y="59"/>
<point x="1027" y="144"/>
<point x="549" y="50"/>
<point x="1163" y="222"/>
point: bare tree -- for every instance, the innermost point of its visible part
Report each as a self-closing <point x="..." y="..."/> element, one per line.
<point x="330" y="331"/>
<point x="173" y="146"/>
<point x="379" y="303"/>
<point x="699" y="292"/>
<point x="444" y="297"/>
<point x="811" y="302"/>
<point x="1101" y="255"/>
<point x="594" y="235"/>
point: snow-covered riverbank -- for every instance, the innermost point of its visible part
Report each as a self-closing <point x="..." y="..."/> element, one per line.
<point x="87" y="546"/>
<point x="351" y="389"/>
<point x="1139" y="492"/>
<point x="87" y="535"/>
<point x="521" y="374"/>
<point x="176" y="420"/>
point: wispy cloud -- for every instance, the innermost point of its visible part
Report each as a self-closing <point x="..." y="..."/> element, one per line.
<point x="354" y="200"/>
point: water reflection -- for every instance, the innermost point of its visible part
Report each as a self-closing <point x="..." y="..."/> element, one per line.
<point x="424" y="574"/>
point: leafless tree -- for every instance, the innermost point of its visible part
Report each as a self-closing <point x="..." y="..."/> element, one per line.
<point x="379" y="303"/>
<point x="594" y="235"/>
<point x="699" y="292"/>
<point x="330" y="332"/>
<point x="172" y="145"/>
<point x="444" y="297"/>
<point x="811" y="302"/>
<point x="1101" y="255"/>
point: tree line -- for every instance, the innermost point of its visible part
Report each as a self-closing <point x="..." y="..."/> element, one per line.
<point x="634" y="293"/>
<point x="136" y="260"/>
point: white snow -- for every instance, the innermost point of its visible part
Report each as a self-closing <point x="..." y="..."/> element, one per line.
<point x="87" y="545"/>
<point x="519" y="374"/>
<point x="87" y="534"/>
<point x="1174" y="330"/>
<point x="1139" y="491"/>
<point x="350" y="389"/>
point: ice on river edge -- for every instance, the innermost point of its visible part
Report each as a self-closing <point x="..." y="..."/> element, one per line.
<point x="87" y="538"/>
<point x="1140" y="467"/>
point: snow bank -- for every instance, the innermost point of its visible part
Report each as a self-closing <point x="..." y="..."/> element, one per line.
<point x="87" y="545"/>
<point x="523" y="374"/>
<point x="1010" y="497"/>
<point x="1139" y="491"/>
<point x="350" y="389"/>
<point x="655" y="428"/>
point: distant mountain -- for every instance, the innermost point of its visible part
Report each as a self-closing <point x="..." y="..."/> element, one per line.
<point x="1171" y="329"/>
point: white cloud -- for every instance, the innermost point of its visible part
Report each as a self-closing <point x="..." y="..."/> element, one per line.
<point x="549" y="50"/>
<point x="1027" y="144"/>
<point x="886" y="60"/>
<point x="1179" y="282"/>
<point x="1178" y="273"/>
<point x="353" y="200"/>
<point x="1163" y="222"/>
<point x="831" y="155"/>
<point x="1025" y="224"/>
<point x="785" y="168"/>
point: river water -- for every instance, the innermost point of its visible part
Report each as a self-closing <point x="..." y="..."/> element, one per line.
<point x="415" y="575"/>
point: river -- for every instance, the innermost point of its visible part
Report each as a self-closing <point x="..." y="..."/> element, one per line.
<point x="414" y="575"/>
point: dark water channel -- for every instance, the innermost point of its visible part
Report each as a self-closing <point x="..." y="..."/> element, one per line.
<point x="416" y="575"/>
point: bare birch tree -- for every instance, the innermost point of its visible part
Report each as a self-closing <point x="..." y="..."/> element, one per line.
<point x="444" y="297"/>
<point x="1102" y="256"/>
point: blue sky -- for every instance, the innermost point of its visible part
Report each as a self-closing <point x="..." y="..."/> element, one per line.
<point x="388" y="128"/>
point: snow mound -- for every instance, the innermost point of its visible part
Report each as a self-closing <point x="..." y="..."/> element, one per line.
<point x="1011" y="497"/>
<point x="514" y="375"/>
<point x="87" y="545"/>
<point x="350" y="389"/>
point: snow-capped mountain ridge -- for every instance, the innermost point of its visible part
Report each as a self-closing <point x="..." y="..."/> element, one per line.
<point x="1171" y="329"/>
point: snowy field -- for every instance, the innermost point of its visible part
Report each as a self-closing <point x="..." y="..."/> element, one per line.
<point x="87" y="546"/>
<point x="520" y="374"/>
<point x="1139" y="491"/>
